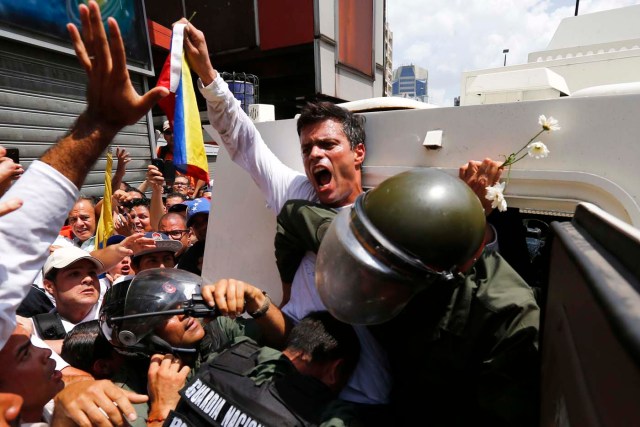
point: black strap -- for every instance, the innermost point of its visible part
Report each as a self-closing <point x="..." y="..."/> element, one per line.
<point x="239" y="358"/>
<point x="49" y="326"/>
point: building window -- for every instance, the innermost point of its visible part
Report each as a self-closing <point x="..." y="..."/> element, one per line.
<point x="355" y="44"/>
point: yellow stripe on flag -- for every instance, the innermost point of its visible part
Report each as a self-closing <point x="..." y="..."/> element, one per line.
<point x="196" y="155"/>
<point x="105" y="224"/>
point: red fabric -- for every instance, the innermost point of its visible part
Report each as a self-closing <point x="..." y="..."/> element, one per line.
<point x="66" y="232"/>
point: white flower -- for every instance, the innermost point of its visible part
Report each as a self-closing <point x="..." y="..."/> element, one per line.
<point x="548" y="124"/>
<point x="495" y="194"/>
<point x="538" y="150"/>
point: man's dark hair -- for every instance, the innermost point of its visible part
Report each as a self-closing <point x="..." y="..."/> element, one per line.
<point x="91" y="199"/>
<point x="316" y="112"/>
<point x="52" y="274"/>
<point x="138" y="202"/>
<point x="135" y="190"/>
<point x="173" y="215"/>
<point x="84" y="344"/>
<point x="325" y="338"/>
<point x="175" y="194"/>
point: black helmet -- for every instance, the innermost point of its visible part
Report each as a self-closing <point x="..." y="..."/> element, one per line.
<point x="132" y="309"/>
<point x="415" y="229"/>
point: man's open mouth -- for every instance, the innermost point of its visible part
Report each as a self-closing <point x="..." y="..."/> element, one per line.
<point x="322" y="177"/>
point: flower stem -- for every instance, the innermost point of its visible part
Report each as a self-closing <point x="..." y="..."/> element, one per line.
<point x="508" y="176"/>
<point x="512" y="157"/>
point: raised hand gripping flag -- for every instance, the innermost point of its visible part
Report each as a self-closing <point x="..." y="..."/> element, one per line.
<point x="181" y="109"/>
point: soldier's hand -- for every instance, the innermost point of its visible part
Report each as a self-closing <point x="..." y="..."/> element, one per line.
<point x="232" y="297"/>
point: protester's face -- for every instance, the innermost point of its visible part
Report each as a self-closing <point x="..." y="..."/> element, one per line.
<point x="28" y="371"/>
<point x="176" y="228"/>
<point x="163" y="259"/>
<point x="199" y="226"/>
<point x="82" y="220"/>
<point x="122" y="268"/>
<point x="75" y="286"/>
<point x="181" y="331"/>
<point x="330" y="164"/>
<point x="172" y="201"/>
<point x="181" y="185"/>
<point x="140" y="219"/>
<point x="168" y="136"/>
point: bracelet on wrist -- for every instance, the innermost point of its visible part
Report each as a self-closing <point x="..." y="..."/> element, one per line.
<point x="263" y="308"/>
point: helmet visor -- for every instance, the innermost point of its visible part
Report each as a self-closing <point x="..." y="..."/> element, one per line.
<point x="155" y="291"/>
<point x="355" y="284"/>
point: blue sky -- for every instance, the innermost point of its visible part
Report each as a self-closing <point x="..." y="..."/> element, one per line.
<point x="448" y="37"/>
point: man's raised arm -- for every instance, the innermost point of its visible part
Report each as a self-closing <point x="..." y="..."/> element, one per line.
<point x="112" y="102"/>
<point x="50" y="187"/>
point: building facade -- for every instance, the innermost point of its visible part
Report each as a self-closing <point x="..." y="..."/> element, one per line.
<point x="598" y="49"/>
<point x="388" y="60"/>
<point x="301" y="50"/>
<point x="411" y="81"/>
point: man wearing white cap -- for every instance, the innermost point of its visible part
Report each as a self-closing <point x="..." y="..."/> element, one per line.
<point x="71" y="277"/>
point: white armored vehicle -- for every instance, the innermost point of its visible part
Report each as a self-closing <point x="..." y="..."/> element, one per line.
<point x="587" y="191"/>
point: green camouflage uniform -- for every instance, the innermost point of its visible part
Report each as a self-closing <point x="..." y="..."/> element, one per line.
<point x="221" y="333"/>
<point x="466" y="354"/>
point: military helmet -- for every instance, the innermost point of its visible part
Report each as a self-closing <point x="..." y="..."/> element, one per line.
<point x="132" y="309"/>
<point x="412" y="231"/>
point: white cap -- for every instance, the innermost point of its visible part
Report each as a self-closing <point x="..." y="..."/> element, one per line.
<point x="64" y="257"/>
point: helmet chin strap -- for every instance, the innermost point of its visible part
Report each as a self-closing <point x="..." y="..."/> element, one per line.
<point x="160" y="344"/>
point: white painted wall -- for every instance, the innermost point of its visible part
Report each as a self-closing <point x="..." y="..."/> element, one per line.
<point x="593" y="158"/>
<point x="578" y="72"/>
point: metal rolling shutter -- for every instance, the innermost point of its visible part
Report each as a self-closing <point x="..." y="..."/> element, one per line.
<point x="41" y="95"/>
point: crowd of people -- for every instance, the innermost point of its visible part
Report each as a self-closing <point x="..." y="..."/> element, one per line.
<point x="397" y="305"/>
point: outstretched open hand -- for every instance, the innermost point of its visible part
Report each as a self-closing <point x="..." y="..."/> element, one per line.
<point x="112" y="100"/>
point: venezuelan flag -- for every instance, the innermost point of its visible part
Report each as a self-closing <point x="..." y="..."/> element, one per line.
<point x="104" y="230"/>
<point x="181" y="109"/>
